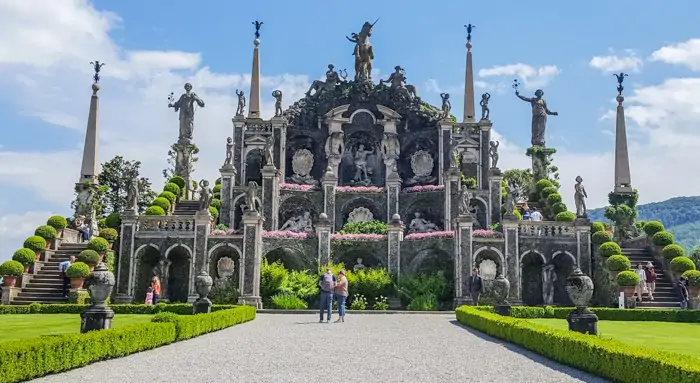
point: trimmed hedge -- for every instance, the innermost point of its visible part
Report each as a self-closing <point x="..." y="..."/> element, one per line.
<point x="673" y="251"/>
<point x="27" y="359"/>
<point x="565" y="216"/>
<point x="609" y="248"/>
<point x="653" y="227"/>
<point x="57" y="222"/>
<point x="600" y="237"/>
<point x="24" y="256"/>
<point x="605" y="313"/>
<point x="109" y="234"/>
<point x="98" y="244"/>
<point x="681" y="264"/>
<point x="597" y="227"/>
<point x="618" y="262"/>
<point x="35" y="243"/>
<point x="154" y="210"/>
<point x="162" y="202"/>
<point x="627" y="278"/>
<point x="38" y="308"/>
<point x="663" y="238"/>
<point x="47" y="232"/>
<point x="113" y="221"/>
<point x="604" y="357"/>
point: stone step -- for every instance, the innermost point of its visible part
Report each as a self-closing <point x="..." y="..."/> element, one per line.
<point x="658" y="305"/>
<point x="54" y="284"/>
<point x="43" y="279"/>
<point x="28" y="299"/>
<point x="42" y="294"/>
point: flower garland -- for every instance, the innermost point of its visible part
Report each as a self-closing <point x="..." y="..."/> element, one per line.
<point x="285" y="234"/>
<point x="424" y="188"/>
<point x="434" y="234"/>
<point x="359" y="189"/>
<point x="358" y="237"/>
<point x="297" y="187"/>
<point x="487" y="234"/>
<point x="226" y="232"/>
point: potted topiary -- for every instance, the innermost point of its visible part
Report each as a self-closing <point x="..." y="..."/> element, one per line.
<point x="662" y="239"/>
<point x="680" y="265"/>
<point x="48" y="233"/>
<point x="608" y="249"/>
<point x="600" y="237"/>
<point x="100" y="245"/>
<point x="89" y="257"/>
<point x="565" y="216"/>
<point x="10" y="271"/>
<point x="77" y="272"/>
<point x="35" y="243"/>
<point x="627" y="280"/>
<point x="693" y="277"/>
<point x="26" y="257"/>
<point x="59" y="223"/>
<point x="155" y="210"/>
<point x="617" y="263"/>
<point x="110" y="235"/>
<point x="653" y="227"/>
<point x="672" y="251"/>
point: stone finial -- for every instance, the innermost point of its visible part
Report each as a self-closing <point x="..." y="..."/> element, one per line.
<point x="323" y="216"/>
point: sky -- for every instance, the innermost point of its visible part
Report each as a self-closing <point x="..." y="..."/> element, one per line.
<point x="152" y="48"/>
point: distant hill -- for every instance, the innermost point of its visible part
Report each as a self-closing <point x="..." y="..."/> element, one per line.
<point x="680" y="215"/>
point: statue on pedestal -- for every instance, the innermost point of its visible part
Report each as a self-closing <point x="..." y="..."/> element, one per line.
<point x="277" y="94"/>
<point x="398" y="83"/>
<point x="391" y="149"/>
<point x="362" y="169"/>
<point x="269" y="151"/>
<point x="301" y="223"/>
<point x="186" y="106"/>
<point x="229" y="152"/>
<point x="240" y="109"/>
<point x="580" y="198"/>
<point x="539" y="115"/>
<point x="509" y="203"/>
<point x="363" y="52"/>
<point x="464" y="202"/>
<point x="335" y="144"/>
<point x="132" y="195"/>
<point x="485" y="111"/>
<point x="446" y="105"/>
<point x="421" y="225"/>
<point x="205" y="196"/>
<point x="454" y="153"/>
<point x="493" y="152"/>
<point x="328" y="86"/>
<point x="251" y="194"/>
<point x="359" y="265"/>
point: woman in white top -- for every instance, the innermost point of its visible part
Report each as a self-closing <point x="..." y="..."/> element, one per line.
<point x="641" y="287"/>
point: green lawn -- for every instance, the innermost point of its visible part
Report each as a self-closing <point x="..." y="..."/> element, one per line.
<point x="683" y="338"/>
<point x="25" y="326"/>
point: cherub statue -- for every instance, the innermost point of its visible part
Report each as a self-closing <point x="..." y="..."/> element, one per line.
<point x="204" y="196"/>
<point x="229" y="151"/>
<point x="269" y="151"/>
<point x="493" y="152"/>
<point x="250" y="196"/>
<point x="485" y="111"/>
<point x="446" y="105"/>
<point x="277" y="94"/>
<point x="241" y="103"/>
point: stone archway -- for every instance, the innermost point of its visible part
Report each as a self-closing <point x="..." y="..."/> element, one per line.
<point x="178" y="285"/>
<point x="564" y="264"/>
<point x="147" y="257"/>
<point x="295" y="206"/>
<point x="291" y="259"/>
<point x="253" y="166"/>
<point x="532" y="278"/>
<point x="434" y="261"/>
<point x="365" y="257"/>
<point x="226" y="268"/>
<point x="482" y="213"/>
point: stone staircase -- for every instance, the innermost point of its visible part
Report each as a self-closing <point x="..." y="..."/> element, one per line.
<point x="664" y="296"/>
<point x="186" y="208"/>
<point x="46" y="286"/>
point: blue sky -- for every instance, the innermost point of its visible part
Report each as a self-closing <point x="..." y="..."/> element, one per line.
<point x="151" y="48"/>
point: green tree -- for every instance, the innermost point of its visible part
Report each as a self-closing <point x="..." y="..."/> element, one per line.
<point x="521" y="182"/>
<point x="115" y="178"/>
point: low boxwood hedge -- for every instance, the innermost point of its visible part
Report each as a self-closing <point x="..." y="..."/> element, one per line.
<point x="605" y="313"/>
<point x="27" y="359"/>
<point x="601" y="356"/>
<point x="38" y="308"/>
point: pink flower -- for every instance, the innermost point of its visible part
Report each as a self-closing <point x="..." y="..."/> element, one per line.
<point x="487" y="234"/>
<point x="434" y="234"/>
<point x="226" y="232"/>
<point x="218" y="232"/>
<point x="297" y="187"/>
<point x="424" y="188"/>
<point x="284" y="234"/>
<point x="359" y="189"/>
<point x="358" y="237"/>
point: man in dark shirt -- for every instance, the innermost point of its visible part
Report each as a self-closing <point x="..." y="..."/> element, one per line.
<point x="682" y="291"/>
<point x="475" y="286"/>
<point x="62" y="267"/>
<point x="327" y="284"/>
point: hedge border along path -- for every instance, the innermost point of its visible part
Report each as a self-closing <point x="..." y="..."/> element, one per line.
<point x="27" y="359"/>
<point x="604" y="313"/>
<point x="74" y="308"/>
<point x="603" y="357"/>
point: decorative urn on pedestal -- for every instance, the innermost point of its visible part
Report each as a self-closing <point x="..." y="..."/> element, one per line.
<point x="580" y="288"/>
<point x="98" y="316"/>
<point x="501" y="288"/>
<point x="202" y="283"/>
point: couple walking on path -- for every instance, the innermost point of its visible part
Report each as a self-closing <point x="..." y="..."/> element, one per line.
<point x="332" y="286"/>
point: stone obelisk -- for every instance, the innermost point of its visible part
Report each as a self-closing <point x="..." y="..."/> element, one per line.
<point x="623" y="178"/>
<point x="254" y="108"/>
<point x="469" y="80"/>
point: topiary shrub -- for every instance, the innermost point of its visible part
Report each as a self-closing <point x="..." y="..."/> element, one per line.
<point x="114" y="220"/>
<point x="600" y="237"/>
<point x="217" y="188"/>
<point x="609" y="249"/>
<point x="78" y="270"/>
<point x="663" y="238"/>
<point x="101" y="223"/>
<point x="546" y="192"/>
<point x="653" y="227"/>
<point x="214" y="212"/>
<point x="672" y="251"/>
<point x="216" y="203"/>
<point x="218" y="181"/>
<point x="89" y="257"/>
<point x="169" y="196"/>
<point x="24" y="256"/>
<point x="553" y="198"/>
<point x="557" y="208"/>
<point x="627" y="278"/>
<point x="372" y="227"/>
<point x="693" y="277"/>
<point x="618" y="262"/>
<point x="11" y="269"/>
<point x="172" y="188"/>
<point x="98" y="244"/>
<point x="57" y="222"/>
<point x="680" y="265"/>
<point x="47" y="232"/>
<point x="109" y="234"/>
<point x="565" y="216"/>
<point x="543" y="184"/>
<point x="162" y="203"/>
<point x="35" y="243"/>
<point x="179" y="181"/>
<point x="154" y="210"/>
<point x="517" y="214"/>
<point x="597" y="227"/>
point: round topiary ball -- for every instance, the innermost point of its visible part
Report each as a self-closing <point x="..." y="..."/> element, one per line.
<point x="47" y="232"/>
<point x="618" y="262"/>
<point x="101" y="223"/>
<point x="557" y="208"/>
<point x="218" y="181"/>
<point x="77" y="270"/>
<point x="214" y="212"/>
<point x="216" y="203"/>
<point x="114" y="220"/>
<point x="109" y="234"/>
<point x="597" y="227"/>
<point x="609" y="249"/>
<point x="542" y="184"/>
<point x="693" y="277"/>
<point x="672" y="251"/>
<point x="553" y="198"/>
<point x="162" y="202"/>
<point x="11" y="269"/>
<point x="57" y="222"/>
<point x="90" y="257"/>
<point x="546" y="192"/>
<point x="172" y="188"/>
<point x="168" y="195"/>
<point x="627" y="278"/>
<point x="35" y="243"/>
<point x="682" y="264"/>
<point x="565" y="216"/>
<point x="601" y="237"/>
<point x="653" y="227"/>
<point x="217" y="188"/>
<point x="177" y="180"/>
<point x="24" y="256"/>
<point x="663" y="238"/>
<point x="154" y="210"/>
<point x="98" y="244"/>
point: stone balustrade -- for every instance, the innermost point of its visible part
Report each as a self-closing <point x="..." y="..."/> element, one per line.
<point x="546" y="229"/>
<point x="166" y="223"/>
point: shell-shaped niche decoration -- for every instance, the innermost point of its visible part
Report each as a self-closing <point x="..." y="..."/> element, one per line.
<point x="225" y="267"/>
<point x="422" y="163"/>
<point x="360" y="214"/>
<point x="488" y="269"/>
<point x="302" y="162"/>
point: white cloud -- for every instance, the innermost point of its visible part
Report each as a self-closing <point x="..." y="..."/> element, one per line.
<point x="531" y="77"/>
<point x="616" y="63"/>
<point x="686" y="53"/>
<point x="15" y="228"/>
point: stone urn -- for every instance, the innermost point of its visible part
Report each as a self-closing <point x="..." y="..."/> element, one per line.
<point x="580" y="287"/>
<point x="500" y="287"/>
<point x="100" y="284"/>
<point x="202" y="283"/>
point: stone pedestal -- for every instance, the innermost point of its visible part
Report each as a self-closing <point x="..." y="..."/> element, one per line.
<point x="184" y="152"/>
<point x="453" y="184"/>
<point x="8" y="294"/>
<point x="202" y="306"/>
<point x="502" y="309"/>
<point x="238" y="152"/>
<point x="464" y="226"/>
<point x="582" y="226"/>
<point x="694" y="303"/>
<point x="127" y="262"/>
<point x="252" y="256"/>
<point x="583" y="320"/>
<point x="279" y="129"/>
<point x="445" y="128"/>
<point x="96" y="318"/>
<point x="393" y="188"/>
<point x="270" y="196"/>
<point x="485" y="139"/>
<point x="394" y="238"/>
<point x="228" y="181"/>
<point x="329" y="184"/>
<point x="323" y="233"/>
<point x="494" y="181"/>
<point x="24" y="280"/>
<point x="200" y="260"/>
<point x="512" y="267"/>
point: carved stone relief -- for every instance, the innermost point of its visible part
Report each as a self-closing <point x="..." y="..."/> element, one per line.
<point x="302" y="163"/>
<point x="360" y="214"/>
<point x="422" y="165"/>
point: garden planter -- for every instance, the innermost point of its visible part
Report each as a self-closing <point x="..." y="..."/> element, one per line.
<point x="92" y="268"/>
<point x="26" y="268"/>
<point x="48" y="245"/>
<point x="38" y="255"/>
<point x="628" y="290"/>
<point x="111" y="243"/>
<point x="9" y="281"/>
<point x="77" y="283"/>
<point x="694" y="291"/>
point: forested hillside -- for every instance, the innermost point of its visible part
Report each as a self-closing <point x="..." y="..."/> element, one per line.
<point x="680" y="215"/>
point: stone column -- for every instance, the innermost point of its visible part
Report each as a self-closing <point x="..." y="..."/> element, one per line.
<point x="394" y="238"/>
<point x="453" y="184"/>
<point x="252" y="257"/>
<point x="445" y="131"/>
<point x="495" y="199"/>
<point x="393" y="188"/>
<point x="270" y="196"/>
<point x="512" y="255"/>
<point x="582" y="226"/>
<point x="200" y="261"/>
<point x="8" y="294"/>
<point x="125" y="269"/>
<point x="239" y="151"/>
<point x="329" y="183"/>
<point x="485" y="159"/>
<point x="464" y="226"/>
<point x="323" y="233"/>
<point x="228" y="181"/>
<point x="279" y="127"/>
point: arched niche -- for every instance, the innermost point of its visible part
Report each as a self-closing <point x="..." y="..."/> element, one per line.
<point x="531" y="277"/>
<point x="299" y="141"/>
<point x="253" y="166"/>
<point x="425" y="141"/>
<point x="225" y="262"/>
<point x="178" y="282"/>
<point x="564" y="264"/>
<point x="147" y="257"/>
<point x="292" y="259"/>
<point x="434" y="261"/>
<point x="237" y="204"/>
<point x="493" y="254"/>
<point x="482" y="212"/>
<point x="366" y="257"/>
<point x="356" y="202"/>
<point x="431" y="209"/>
<point x="362" y="133"/>
<point x="295" y="205"/>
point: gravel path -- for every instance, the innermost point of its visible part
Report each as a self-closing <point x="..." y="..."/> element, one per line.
<point x="367" y="348"/>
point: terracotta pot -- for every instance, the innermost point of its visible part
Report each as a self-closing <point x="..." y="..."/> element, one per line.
<point x="628" y="290"/>
<point x="60" y="233"/>
<point x="92" y="268"/>
<point x="9" y="281"/>
<point x="48" y="245"/>
<point x="77" y="283"/>
<point x="26" y="268"/>
<point x="38" y="255"/>
<point x="694" y="291"/>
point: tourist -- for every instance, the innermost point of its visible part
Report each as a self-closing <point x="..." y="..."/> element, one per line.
<point x="327" y="284"/>
<point x="476" y="286"/>
<point x="682" y="291"/>
<point x="536" y="216"/>
<point x="83" y="228"/>
<point x="641" y="287"/>
<point x="149" y="296"/>
<point x="650" y="275"/>
<point x="155" y="285"/>
<point x="341" y="295"/>
<point x="62" y="267"/>
<point x="526" y="212"/>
